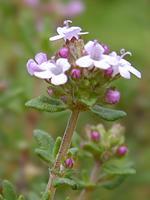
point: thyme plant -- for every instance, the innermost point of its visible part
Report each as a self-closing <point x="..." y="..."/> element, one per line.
<point x="79" y="79"/>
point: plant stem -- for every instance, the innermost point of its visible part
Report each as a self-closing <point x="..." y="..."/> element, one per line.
<point x="65" y="144"/>
<point x="85" y="194"/>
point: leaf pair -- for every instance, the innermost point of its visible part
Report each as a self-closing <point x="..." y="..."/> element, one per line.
<point x="49" y="104"/>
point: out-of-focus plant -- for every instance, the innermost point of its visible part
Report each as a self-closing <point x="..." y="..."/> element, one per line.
<point x="79" y="78"/>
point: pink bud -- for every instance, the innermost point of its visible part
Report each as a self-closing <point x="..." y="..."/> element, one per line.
<point x="64" y="52"/>
<point x="112" y="96"/>
<point x="122" y="150"/>
<point x="69" y="163"/>
<point x="95" y="136"/>
<point x="75" y="73"/>
<point x="108" y="72"/>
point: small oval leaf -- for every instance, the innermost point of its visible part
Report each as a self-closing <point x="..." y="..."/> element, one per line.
<point x="107" y="113"/>
<point x="47" y="104"/>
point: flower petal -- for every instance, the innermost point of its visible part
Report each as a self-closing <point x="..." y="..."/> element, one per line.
<point x="83" y="33"/>
<point x="44" y="74"/>
<point x="59" y="80"/>
<point x="124" y="72"/>
<point x="57" y="37"/>
<point x="85" y="61"/>
<point x="72" y="32"/>
<point x="134" y="71"/>
<point x="40" y="58"/>
<point x="63" y="63"/>
<point x="102" y="64"/>
<point x="88" y="47"/>
<point x="32" y="66"/>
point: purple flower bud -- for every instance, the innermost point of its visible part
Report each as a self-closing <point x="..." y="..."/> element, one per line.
<point x="69" y="163"/>
<point x="76" y="73"/>
<point x="106" y="49"/>
<point x="64" y="52"/>
<point x="122" y="150"/>
<point x="95" y="136"/>
<point x="108" y="72"/>
<point x="112" y="96"/>
<point x="49" y="91"/>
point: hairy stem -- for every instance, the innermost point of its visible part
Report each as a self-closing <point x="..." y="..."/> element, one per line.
<point x="65" y="144"/>
<point x="86" y="193"/>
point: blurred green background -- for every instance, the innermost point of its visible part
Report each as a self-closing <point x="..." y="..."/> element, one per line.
<point x="25" y="29"/>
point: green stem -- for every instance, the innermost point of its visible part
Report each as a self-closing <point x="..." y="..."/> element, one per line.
<point x="65" y="144"/>
<point x="86" y="193"/>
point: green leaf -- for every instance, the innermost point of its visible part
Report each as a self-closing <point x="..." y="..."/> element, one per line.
<point x="107" y="113"/>
<point x="73" y="151"/>
<point x="47" y="104"/>
<point x="75" y="185"/>
<point x="114" y="182"/>
<point x="92" y="148"/>
<point x="46" y="196"/>
<point x="1" y="197"/>
<point x="21" y="197"/>
<point x="118" y="167"/>
<point x="56" y="146"/>
<point x="9" y="191"/>
<point x="46" y="144"/>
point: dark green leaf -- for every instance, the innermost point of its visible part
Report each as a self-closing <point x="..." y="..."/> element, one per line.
<point x="118" y="167"/>
<point x="46" y="144"/>
<point x="9" y="191"/>
<point x="107" y="113"/>
<point x="75" y="185"/>
<point x="47" y="104"/>
<point x="114" y="182"/>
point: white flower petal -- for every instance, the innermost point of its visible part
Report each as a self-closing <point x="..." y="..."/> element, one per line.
<point x="85" y="61"/>
<point x="57" y="37"/>
<point x="61" y="30"/>
<point x="134" y="71"/>
<point x="110" y="59"/>
<point x="124" y="72"/>
<point x="44" y="74"/>
<point x="124" y="62"/>
<point x="59" y="80"/>
<point x="63" y="63"/>
<point x="83" y="33"/>
<point x="88" y="47"/>
<point x="101" y="64"/>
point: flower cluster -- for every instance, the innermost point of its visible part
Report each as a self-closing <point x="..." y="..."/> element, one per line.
<point x="81" y="67"/>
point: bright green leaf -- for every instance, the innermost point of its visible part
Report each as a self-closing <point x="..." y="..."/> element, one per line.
<point x="92" y="148"/>
<point x="46" y="196"/>
<point x="107" y="113"/>
<point x="9" y="191"/>
<point x="21" y="197"/>
<point x="56" y="146"/>
<point x="47" y="104"/>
